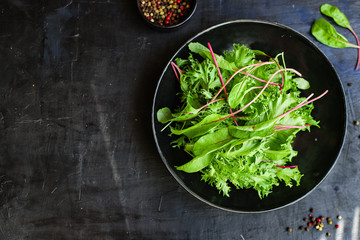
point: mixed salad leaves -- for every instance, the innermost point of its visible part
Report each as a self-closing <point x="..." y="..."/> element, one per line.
<point x="238" y="117"/>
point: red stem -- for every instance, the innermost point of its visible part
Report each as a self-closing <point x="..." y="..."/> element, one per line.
<point x="238" y="71"/>
<point x="200" y="108"/>
<point x="285" y="127"/>
<point x="303" y="104"/>
<point x="256" y="78"/>
<point x="267" y="83"/>
<point x="358" y="43"/>
<point x="346" y="43"/>
<point x="218" y="69"/>
<point x="278" y="65"/>
<point x="257" y="96"/>
<point x="175" y="67"/>
<point x="221" y="79"/>
<point x="294" y="166"/>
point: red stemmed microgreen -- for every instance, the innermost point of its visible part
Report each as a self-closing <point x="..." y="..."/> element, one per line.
<point x="303" y="104"/>
<point x="221" y="79"/>
<point x="206" y="105"/>
<point x="259" y="94"/>
<point x="286" y="127"/>
<point x="237" y="72"/>
<point x="279" y="166"/>
<point x="176" y="69"/>
<point x="294" y="166"/>
<point x="248" y="74"/>
<point x="279" y="67"/>
<point x="218" y="69"/>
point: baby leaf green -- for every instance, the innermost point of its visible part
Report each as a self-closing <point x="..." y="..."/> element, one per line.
<point x="336" y="14"/>
<point x="325" y="33"/>
<point x="212" y="141"/>
<point x="260" y="129"/>
<point x="205" y="53"/>
<point x="200" y="128"/>
<point x="248" y="147"/>
<point x="342" y="21"/>
<point x="236" y="95"/>
<point x="164" y="115"/>
<point x="196" y="164"/>
<point x="302" y="83"/>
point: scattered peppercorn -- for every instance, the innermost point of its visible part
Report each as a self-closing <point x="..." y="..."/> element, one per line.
<point x="316" y="222"/>
<point x="165" y="12"/>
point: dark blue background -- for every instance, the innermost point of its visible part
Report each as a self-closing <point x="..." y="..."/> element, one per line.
<point x="77" y="155"/>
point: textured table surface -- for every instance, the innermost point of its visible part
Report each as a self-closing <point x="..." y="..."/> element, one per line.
<point x="77" y="155"/>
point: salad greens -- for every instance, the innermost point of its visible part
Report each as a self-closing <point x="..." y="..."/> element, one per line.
<point x="238" y="117"/>
<point x="325" y="33"/>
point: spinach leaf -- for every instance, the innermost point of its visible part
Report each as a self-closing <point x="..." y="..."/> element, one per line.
<point x="212" y="141"/>
<point x="204" y="126"/>
<point x="302" y="83"/>
<point x="325" y="33"/>
<point x="196" y="164"/>
<point x="336" y="14"/>
<point x="164" y="115"/>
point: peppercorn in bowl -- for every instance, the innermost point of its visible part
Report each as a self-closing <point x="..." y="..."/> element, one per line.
<point x="166" y="14"/>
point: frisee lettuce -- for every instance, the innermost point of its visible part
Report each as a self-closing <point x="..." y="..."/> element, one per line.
<point x="242" y="139"/>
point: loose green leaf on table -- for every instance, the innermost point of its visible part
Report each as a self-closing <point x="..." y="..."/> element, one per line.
<point x="325" y="33"/>
<point x="336" y="14"/>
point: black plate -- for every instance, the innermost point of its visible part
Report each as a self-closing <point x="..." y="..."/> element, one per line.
<point x="317" y="150"/>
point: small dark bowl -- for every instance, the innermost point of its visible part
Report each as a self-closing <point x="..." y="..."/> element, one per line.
<point x="318" y="150"/>
<point x="183" y="19"/>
